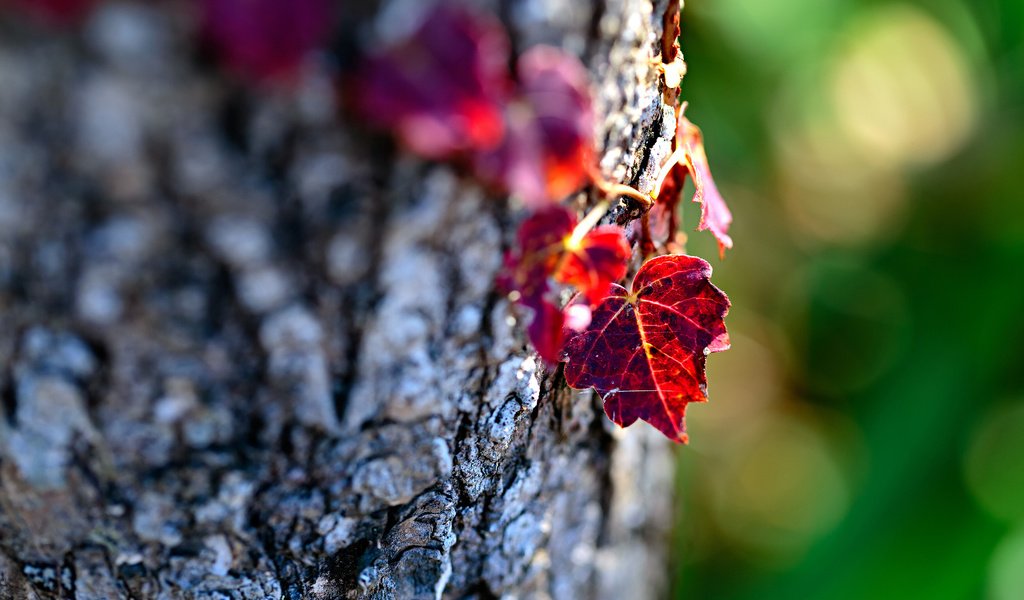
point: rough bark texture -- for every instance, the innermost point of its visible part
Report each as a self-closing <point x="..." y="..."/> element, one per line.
<point x="246" y="353"/>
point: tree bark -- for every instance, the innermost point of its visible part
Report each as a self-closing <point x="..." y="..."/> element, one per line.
<point x="247" y="352"/>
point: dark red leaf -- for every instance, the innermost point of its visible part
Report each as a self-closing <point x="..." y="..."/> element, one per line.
<point x="549" y="325"/>
<point x="547" y="248"/>
<point x="714" y="214"/>
<point x="662" y="217"/>
<point x="546" y="330"/>
<point x="548" y="147"/>
<point x="688" y="158"/>
<point x="266" y="39"/>
<point x="546" y="252"/>
<point x="527" y="275"/>
<point x="644" y="351"/>
<point x="441" y="91"/>
<point x="540" y="242"/>
<point x="595" y="262"/>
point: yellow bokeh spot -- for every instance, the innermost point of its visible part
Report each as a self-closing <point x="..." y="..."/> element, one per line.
<point x="830" y="192"/>
<point x="780" y="489"/>
<point x="896" y="93"/>
<point x="902" y="90"/>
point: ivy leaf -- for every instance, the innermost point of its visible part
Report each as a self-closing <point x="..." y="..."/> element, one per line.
<point x="539" y="243"/>
<point x="549" y="245"/>
<point x="714" y="214"/>
<point x="546" y="330"/>
<point x="548" y="252"/>
<point x="446" y="92"/>
<point x="266" y="39"/>
<point x="441" y="90"/>
<point x="662" y="218"/>
<point x="644" y="351"/>
<point x="688" y="157"/>
<point x="594" y="262"/>
<point x="549" y="143"/>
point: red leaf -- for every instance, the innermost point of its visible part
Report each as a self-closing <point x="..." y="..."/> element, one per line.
<point x="548" y="248"/>
<point x="547" y="251"/>
<point x="266" y="39"/>
<point x="688" y="157"/>
<point x="714" y="214"/>
<point x="441" y="90"/>
<point x="540" y="241"/>
<point x="549" y="144"/>
<point x="595" y="262"/>
<point x="644" y="351"/>
<point x="527" y="274"/>
<point x="546" y="330"/>
<point x="662" y="217"/>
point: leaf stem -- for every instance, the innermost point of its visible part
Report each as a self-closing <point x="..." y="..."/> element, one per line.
<point x="614" y="190"/>
<point x="620" y="189"/>
<point x="677" y="157"/>
<point x="588" y="223"/>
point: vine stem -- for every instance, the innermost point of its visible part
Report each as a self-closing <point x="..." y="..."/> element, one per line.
<point x="588" y="222"/>
<point x="609" y="189"/>
<point x="612" y="190"/>
<point x="677" y="157"/>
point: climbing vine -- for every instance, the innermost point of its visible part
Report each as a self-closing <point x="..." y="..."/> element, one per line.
<point x="446" y="93"/>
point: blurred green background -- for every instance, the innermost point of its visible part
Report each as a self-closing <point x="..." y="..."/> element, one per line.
<point x="865" y="435"/>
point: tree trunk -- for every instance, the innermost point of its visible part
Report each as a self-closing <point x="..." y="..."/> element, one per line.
<point x="247" y="353"/>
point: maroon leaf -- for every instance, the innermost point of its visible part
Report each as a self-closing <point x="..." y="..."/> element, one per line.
<point x="548" y="252"/>
<point x="266" y="39"/>
<point x="550" y="246"/>
<point x="688" y="157"/>
<point x="539" y="244"/>
<point x="644" y="351"/>
<point x="546" y="330"/>
<point x="549" y="144"/>
<point x="527" y="276"/>
<point x="714" y="214"/>
<point x="663" y="218"/>
<point x="595" y="262"/>
<point x="441" y="90"/>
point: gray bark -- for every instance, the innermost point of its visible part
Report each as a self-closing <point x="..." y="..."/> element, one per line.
<point x="247" y="353"/>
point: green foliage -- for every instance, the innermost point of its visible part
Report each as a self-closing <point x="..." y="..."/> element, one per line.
<point x="858" y="442"/>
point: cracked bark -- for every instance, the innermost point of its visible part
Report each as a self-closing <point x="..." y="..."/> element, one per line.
<point x="247" y="353"/>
